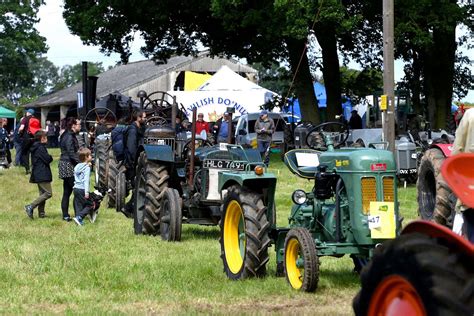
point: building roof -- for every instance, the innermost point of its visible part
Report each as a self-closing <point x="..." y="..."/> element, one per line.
<point x="124" y="77"/>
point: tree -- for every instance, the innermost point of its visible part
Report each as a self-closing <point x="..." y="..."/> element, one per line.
<point x="45" y="77"/>
<point x="425" y="35"/>
<point x="356" y="84"/>
<point x="20" y="46"/>
<point x="70" y="75"/>
<point x="262" y="31"/>
<point x="275" y="78"/>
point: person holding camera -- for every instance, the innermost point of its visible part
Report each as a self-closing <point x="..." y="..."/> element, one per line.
<point x="264" y="127"/>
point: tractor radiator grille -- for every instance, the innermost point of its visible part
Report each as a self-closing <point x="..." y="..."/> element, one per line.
<point x="369" y="193"/>
<point x="388" y="191"/>
<point x="160" y="141"/>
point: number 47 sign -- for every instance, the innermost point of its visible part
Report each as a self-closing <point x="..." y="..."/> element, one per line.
<point x="382" y="220"/>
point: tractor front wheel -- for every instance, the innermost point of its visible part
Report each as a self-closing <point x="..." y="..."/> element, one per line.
<point x="171" y="216"/>
<point x="244" y="234"/>
<point x="416" y="274"/>
<point x="156" y="182"/>
<point x="301" y="262"/>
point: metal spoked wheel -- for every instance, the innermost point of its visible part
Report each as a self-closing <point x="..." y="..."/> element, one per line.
<point x="97" y="115"/>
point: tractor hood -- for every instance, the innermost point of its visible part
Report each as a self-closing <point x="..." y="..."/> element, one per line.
<point x="160" y="132"/>
<point x="359" y="159"/>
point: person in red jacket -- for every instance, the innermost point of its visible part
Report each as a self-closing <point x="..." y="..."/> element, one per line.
<point x="201" y="125"/>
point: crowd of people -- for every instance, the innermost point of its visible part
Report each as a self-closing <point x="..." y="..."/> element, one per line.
<point x="31" y="143"/>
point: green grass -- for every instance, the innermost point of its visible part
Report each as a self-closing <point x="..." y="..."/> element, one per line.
<point x="49" y="266"/>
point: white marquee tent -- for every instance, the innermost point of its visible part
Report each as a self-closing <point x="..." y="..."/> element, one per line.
<point x="225" y="89"/>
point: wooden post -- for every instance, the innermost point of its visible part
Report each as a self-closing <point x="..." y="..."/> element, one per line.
<point x="229" y="129"/>
<point x="388" y="121"/>
<point x="193" y="149"/>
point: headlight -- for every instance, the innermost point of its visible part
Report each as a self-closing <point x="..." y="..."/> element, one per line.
<point x="299" y="197"/>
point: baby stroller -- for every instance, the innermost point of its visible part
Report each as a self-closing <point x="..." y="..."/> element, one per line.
<point x="3" y="155"/>
<point x="94" y="203"/>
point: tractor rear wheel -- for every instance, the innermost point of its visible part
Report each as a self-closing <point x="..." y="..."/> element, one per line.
<point x="171" y="216"/>
<point x="244" y="234"/>
<point x="415" y="274"/>
<point x="140" y="195"/>
<point x="112" y="179"/>
<point x="102" y="146"/>
<point x="156" y="182"/>
<point x="436" y="201"/>
<point x="301" y="262"/>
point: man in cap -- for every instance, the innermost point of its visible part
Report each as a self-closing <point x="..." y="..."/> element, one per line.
<point x="264" y="127"/>
<point x="222" y="128"/>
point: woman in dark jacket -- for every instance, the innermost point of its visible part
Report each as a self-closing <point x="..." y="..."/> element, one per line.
<point x="68" y="159"/>
<point x="41" y="173"/>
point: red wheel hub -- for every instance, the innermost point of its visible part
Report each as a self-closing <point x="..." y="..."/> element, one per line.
<point x="396" y="296"/>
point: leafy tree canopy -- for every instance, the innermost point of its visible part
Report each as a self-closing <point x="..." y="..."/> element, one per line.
<point x="69" y="75"/>
<point x="20" y="46"/>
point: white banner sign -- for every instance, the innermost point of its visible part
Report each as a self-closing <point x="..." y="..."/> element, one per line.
<point x="213" y="104"/>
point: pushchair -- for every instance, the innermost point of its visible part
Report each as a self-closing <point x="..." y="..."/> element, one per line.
<point x="3" y="155"/>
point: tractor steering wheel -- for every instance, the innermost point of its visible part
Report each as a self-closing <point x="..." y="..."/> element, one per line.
<point x="316" y="136"/>
<point x="199" y="142"/>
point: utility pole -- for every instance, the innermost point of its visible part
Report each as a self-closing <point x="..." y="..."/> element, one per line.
<point x="388" y="115"/>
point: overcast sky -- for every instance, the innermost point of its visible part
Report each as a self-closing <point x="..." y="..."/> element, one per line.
<point x="67" y="49"/>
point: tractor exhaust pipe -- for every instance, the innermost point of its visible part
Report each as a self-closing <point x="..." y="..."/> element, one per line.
<point x="174" y="113"/>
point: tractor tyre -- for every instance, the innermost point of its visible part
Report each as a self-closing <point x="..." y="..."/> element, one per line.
<point x="171" y="216"/>
<point x="121" y="191"/>
<point x="300" y="260"/>
<point x="244" y="234"/>
<point x="419" y="274"/>
<point x="156" y="182"/>
<point x="140" y="195"/>
<point x="101" y="162"/>
<point x="436" y="201"/>
<point x="112" y="180"/>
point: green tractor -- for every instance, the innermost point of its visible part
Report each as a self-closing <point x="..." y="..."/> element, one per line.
<point x="182" y="179"/>
<point x="351" y="209"/>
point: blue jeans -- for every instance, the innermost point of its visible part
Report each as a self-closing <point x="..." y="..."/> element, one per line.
<point x="262" y="148"/>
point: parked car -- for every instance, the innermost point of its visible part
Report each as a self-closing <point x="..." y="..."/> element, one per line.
<point x="245" y="129"/>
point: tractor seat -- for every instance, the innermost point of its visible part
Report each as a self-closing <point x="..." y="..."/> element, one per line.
<point x="303" y="162"/>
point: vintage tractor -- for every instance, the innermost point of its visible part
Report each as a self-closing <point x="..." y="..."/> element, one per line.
<point x="181" y="180"/>
<point x="428" y="270"/>
<point x="351" y="209"/>
<point x="107" y="113"/>
<point x="435" y="198"/>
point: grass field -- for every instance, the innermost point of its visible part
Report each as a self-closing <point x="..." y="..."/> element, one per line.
<point x="50" y="266"/>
